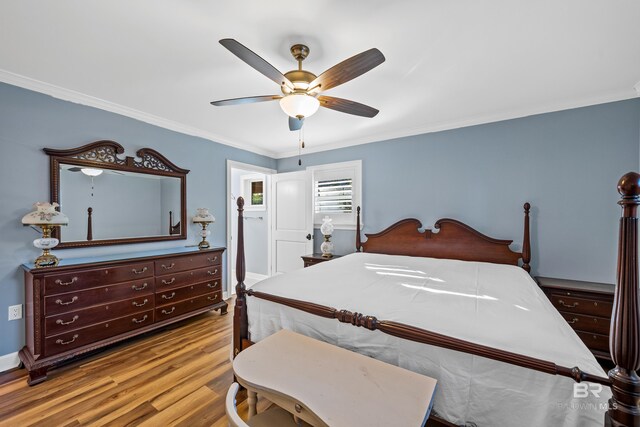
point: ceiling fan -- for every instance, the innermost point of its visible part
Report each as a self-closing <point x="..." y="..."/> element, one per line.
<point x="301" y="89"/>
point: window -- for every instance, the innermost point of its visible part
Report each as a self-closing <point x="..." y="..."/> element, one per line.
<point x="337" y="193"/>
<point x="253" y="191"/>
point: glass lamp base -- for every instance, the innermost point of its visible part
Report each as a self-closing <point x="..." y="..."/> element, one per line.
<point x="326" y="247"/>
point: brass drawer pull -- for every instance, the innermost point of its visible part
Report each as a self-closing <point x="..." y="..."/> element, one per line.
<point x="164" y="282"/>
<point x="134" y="320"/>
<point x="214" y="272"/>
<point x="572" y="321"/>
<point x="71" y="282"/>
<point x="62" y="322"/>
<point x="209" y="285"/>
<point x="135" y="288"/>
<point x="168" y="267"/>
<point x="173" y="294"/>
<point x="59" y="301"/>
<point x="134" y="271"/>
<point x="214" y="298"/>
<point x="67" y="342"/>
<point x="140" y="304"/>
<point x="169" y="312"/>
<point x="214" y="259"/>
<point x="562" y="303"/>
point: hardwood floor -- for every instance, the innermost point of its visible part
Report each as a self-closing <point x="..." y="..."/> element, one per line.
<point x="178" y="376"/>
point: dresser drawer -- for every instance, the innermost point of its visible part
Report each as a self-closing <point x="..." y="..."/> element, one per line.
<point x="173" y="295"/>
<point x="185" y="306"/>
<point x="84" y="279"/>
<point x="171" y="265"/>
<point x="71" y="301"/>
<point x="66" y="322"/>
<point x="582" y="322"/>
<point x="572" y="304"/>
<point x="79" y="337"/>
<point x="173" y="280"/>
<point x="594" y="341"/>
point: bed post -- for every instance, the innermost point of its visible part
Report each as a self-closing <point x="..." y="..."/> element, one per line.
<point x="526" y="241"/>
<point x="240" y="322"/>
<point x="358" y="242"/>
<point x="624" y="340"/>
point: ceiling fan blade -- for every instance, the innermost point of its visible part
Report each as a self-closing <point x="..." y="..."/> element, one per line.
<point x="74" y="169"/>
<point x="346" y="106"/>
<point x="347" y="70"/>
<point x="251" y="58"/>
<point x="245" y="100"/>
<point x="295" y="123"/>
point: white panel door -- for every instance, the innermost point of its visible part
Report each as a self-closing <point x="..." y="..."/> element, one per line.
<point x="293" y="220"/>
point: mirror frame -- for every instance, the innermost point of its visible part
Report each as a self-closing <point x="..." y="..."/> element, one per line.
<point x="104" y="155"/>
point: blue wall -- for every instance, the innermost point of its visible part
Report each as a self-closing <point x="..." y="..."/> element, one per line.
<point x="30" y="121"/>
<point x="567" y="164"/>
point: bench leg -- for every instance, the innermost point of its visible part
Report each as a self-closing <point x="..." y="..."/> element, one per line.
<point x="252" y="400"/>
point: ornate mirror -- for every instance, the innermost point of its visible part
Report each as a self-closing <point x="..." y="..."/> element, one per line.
<point x="112" y="201"/>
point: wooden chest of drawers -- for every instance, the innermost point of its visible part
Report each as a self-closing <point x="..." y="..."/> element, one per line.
<point x="75" y="308"/>
<point x="586" y="306"/>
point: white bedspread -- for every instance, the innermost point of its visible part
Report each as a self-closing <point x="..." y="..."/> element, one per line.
<point x="490" y="304"/>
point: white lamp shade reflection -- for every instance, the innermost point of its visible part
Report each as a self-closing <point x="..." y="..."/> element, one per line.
<point x="91" y="171"/>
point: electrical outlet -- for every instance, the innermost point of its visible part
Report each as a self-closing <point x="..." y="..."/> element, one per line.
<point x="15" y="312"/>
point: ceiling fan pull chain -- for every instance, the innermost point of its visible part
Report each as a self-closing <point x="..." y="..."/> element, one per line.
<point x="300" y="147"/>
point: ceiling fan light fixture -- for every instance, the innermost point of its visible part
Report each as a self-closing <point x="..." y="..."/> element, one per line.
<point x="299" y="105"/>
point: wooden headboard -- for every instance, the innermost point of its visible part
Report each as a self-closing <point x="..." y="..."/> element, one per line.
<point x="455" y="240"/>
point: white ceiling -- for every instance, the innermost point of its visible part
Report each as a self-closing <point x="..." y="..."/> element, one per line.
<point x="449" y="63"/>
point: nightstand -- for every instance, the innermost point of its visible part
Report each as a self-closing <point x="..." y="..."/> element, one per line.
<point x="314" y="259"/>
<point x="586" y="306"/>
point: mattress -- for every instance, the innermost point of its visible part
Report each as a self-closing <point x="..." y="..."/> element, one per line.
<point x="490" y="304"/>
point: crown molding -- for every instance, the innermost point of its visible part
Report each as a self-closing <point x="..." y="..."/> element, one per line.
<point x="91" y="101"/>
<point x="613" y="96"/>
<point x="80" y="98"/>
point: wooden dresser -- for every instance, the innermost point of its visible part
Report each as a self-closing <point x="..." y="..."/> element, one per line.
<point x="85" y="304"/>
<point x="586" y="306"/>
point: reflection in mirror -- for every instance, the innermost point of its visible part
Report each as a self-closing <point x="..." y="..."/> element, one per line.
<point x="113" y="204"/>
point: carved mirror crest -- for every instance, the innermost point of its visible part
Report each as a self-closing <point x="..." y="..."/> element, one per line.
<point x="111" y="200"/>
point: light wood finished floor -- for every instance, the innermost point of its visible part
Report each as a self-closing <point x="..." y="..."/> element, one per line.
<point x="174" y="377"/>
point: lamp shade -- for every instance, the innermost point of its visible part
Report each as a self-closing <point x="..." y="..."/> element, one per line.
<point x="299" y="105"/>
<point x="45" y="213"/>
<point x="203" y="215"/>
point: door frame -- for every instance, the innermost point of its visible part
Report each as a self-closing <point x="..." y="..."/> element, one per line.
<point x="232" y="209"/>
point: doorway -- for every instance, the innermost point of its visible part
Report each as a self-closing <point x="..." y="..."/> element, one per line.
<point x="253" y="183"/>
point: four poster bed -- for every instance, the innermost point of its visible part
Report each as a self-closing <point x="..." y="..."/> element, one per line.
<point x="454" y="305"/>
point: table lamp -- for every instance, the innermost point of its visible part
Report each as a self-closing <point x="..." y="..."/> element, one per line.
<point x="204" y="218"/>
<point x="326" y="229"/>
<point x="46" y="217"/>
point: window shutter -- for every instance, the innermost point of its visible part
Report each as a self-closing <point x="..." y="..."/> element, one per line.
<point x="334" y="196"/>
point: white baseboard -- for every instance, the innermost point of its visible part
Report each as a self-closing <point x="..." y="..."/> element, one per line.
<point x="9" y="361"/>
<point x="253" y="278"/>
<point x="250" y="279"/>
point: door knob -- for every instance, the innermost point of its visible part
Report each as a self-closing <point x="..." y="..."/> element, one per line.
<point x="309" y="236"/>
